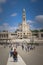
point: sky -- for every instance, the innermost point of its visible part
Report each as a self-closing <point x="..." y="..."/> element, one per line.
<point x="11" y="14"/>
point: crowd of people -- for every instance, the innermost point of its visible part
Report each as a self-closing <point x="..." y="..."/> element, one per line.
<point x="14" y="53"/>
<point x="27" y="47"/>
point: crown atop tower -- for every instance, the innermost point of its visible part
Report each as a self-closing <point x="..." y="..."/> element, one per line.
<point x="23" y="9"/>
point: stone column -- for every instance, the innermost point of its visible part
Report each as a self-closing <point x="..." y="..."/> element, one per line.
<point x="39" y="35"/>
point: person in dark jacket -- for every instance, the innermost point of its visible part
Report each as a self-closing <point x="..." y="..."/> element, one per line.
<point x="15" y="55"/>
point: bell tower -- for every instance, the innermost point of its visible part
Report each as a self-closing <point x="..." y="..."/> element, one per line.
<point x="24" y="15"/>
<point x="24" y="24"/>
<point x="24" y="28"/>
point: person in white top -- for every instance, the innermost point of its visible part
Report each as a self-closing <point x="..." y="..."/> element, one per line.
<point x="12" y="50"/>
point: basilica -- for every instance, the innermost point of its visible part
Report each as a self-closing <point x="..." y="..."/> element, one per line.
<point x="23" y="29"/>
<point x="22" y="33"/>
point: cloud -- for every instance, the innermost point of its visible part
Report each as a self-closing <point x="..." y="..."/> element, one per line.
<point x="31" y="24"/>
<point x="36" y="24"/>
<point x="32" y="27"/>
<point x="39" y="18"/>
<point x="14" y="14"/>
<point x="6" y="26"/>
<point x="30" y="21"/>
<point x="12" y="28"/>
<point x="2" y="1"/>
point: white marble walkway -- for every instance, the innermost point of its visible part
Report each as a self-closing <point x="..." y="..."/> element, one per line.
<point x="19" y="62"/>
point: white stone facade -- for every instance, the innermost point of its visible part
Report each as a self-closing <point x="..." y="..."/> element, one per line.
<point x="24" y="29"/>
<point x="4" y="36"/>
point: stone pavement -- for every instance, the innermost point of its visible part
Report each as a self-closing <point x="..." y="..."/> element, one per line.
<point x="1" y="46"/>
<point x="33" y="57"/>
<point x="19" y="62"/>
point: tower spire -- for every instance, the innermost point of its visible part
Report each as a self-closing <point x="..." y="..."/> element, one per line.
<point x="24" y="15"/>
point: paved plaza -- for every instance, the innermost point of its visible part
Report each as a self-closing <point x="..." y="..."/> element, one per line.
<point x="33" y="57"/>
<point x="4" y="53"/>
<point x="18" y="62"/>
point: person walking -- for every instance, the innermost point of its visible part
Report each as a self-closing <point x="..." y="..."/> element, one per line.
<point x="11" y="51"/>
<point x="22" y="47"/>
<point x="28" y="48"/>
<point x="25" y="47"/>
<point x="15" y="53"/>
